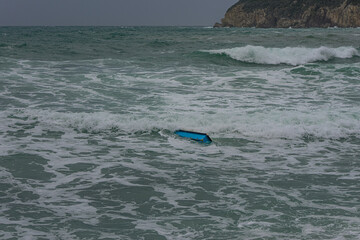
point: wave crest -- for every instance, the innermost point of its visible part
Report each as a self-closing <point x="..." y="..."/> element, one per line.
<point x="275" y="124"/>
<point x="289" y="55"/>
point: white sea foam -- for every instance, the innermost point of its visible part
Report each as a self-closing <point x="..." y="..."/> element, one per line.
<point x="288" y="55"/>
<point x="272" y="124"/>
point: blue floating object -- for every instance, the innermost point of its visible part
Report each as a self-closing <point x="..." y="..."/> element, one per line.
<point x="201" y="137"/>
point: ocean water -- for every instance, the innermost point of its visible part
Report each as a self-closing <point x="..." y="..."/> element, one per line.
<point x="87" y="144"/>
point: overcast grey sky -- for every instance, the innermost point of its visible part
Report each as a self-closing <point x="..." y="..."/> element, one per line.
<point x="112" y="12"/>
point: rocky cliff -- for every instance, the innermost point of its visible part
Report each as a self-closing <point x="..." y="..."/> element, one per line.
<point x="292" y="13"/>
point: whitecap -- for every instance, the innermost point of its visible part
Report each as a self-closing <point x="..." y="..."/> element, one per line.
<point x="288" y="55"/>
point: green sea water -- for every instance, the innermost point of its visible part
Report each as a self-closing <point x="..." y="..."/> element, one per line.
<point x="87" y="143"/>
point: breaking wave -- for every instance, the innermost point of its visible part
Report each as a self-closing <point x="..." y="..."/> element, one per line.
<point x="289" y="55"/>
<point x="270" y="125"/>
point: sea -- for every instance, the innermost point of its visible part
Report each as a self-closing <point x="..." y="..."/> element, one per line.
<point x="87" y="143"/>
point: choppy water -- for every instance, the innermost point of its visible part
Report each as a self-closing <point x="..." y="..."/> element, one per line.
<point x="87" y="149"/>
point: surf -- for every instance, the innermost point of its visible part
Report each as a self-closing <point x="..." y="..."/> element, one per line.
<point x="288" y="55"/>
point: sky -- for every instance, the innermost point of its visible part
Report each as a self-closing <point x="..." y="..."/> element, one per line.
<point x="112" y="12"/>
